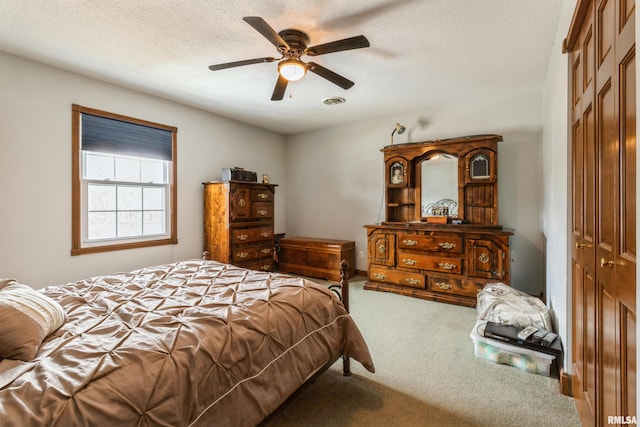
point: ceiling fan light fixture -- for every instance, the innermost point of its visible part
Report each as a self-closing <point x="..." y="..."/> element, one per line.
<point x="292" y="44"/>
<point x="292" y="69"/>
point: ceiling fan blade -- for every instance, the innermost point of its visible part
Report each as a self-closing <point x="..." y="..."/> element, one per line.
<point x="356" y="42"/>
<point x="240" y="63"/>
<point x="281" y="87"/>
<point x="334" y="78"/>
<point x="261" y="26"/>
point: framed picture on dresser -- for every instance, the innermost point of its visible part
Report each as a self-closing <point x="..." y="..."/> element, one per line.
<point x="397" y="173"/>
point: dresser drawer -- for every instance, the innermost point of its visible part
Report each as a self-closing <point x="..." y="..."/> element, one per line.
<point x="382" y="249"/>
<point x="247" y="253"/>
<point x="262" y="210"/>
<point x="486" y="259"/>
<point x="240" y="206"/>
<point x="429" y="262"/>
<point x="454" y="286"/>
<point x="452" y="244"/>
<point x="250" y="235"/>
<point x="396" y="277"/>
<point x="262" y="264"/>
<point x="262" y="194"/>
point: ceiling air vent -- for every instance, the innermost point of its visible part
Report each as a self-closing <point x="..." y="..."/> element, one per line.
<point x="336" y="100"/>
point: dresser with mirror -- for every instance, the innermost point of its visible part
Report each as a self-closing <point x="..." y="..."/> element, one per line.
<point x="440" y="239"/>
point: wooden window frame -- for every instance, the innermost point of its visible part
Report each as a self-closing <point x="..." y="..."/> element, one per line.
<point x="76" y="187"/>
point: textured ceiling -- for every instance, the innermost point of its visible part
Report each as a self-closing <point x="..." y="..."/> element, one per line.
<point x="423" y="54"/>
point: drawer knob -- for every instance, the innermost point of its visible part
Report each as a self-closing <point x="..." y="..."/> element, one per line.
<point x="379" y="276"/>
<point x="266" y="250"/>
<point x="447" y="245"/>
<point x="382" y="249"/>
<point x="412" y="281"/>
<point x="446" y="265"/>
<point x="443" y="285"/>
<point x="242" y="203"/>
<point x="243" y="255"/>
<point x="410" y="242"/>
<point x="262" y="212"/>
<point x="265" y="234"/>
<point x="409" y="261"/>
<point x="484" y="258"/>
<point x="266" y="267"/>
<point x="263" y="196"/>
<point x="243" y="236"/>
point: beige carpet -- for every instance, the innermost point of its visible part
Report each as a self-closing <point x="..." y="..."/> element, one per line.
<point x="426" y="375"/>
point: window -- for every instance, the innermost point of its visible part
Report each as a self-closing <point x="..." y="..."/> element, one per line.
<point x="124" y="182"/>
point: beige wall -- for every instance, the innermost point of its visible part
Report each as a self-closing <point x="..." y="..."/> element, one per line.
<point x="338" y="185"/>
<point x="556" y="167"/>
<point x="35" y="170"/>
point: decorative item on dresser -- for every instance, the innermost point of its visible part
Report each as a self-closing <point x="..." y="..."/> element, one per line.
<point x="238" y="223"/>
<point x="441" y="240"/>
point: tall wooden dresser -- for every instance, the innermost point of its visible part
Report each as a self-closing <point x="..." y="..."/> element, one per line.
<point x="238" y="223"/>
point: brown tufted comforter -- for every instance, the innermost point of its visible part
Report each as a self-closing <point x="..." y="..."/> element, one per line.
<point x="192" y="343"/>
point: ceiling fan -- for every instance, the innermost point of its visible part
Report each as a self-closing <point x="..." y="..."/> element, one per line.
<point x="292" y="44"/>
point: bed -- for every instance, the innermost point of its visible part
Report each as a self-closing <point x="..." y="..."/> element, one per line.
<point x="192" y="343"/>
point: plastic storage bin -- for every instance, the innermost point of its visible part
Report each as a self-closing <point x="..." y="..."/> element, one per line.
<point x="499" y="352"/>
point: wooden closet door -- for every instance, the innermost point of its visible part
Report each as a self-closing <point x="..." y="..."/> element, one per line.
<point x="621" y="266"/>
<point x="602" y="80"/>
<point x="583" y="125"/>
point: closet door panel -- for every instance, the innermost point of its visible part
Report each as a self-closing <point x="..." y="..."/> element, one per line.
<point x="624" y="260"/>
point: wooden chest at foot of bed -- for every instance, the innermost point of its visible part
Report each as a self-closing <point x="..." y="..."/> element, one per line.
<point x="314" y="257"/>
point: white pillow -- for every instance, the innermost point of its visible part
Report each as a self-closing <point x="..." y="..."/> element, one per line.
<point x="27" y="317"/>
<point x="5" y="282"/>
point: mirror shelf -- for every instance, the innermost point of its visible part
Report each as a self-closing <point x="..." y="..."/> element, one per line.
<point x="448" y="181"/>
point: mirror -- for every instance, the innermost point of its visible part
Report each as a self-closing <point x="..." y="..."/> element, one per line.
<point x="440" y="185"/>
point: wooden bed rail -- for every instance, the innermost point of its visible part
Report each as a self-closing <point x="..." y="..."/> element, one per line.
<point x="342" y="290"/>
<point x="344" y="284"/>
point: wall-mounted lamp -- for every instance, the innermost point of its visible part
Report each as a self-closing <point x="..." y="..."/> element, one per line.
<point x="292" y="69"/>
<point x="399" y="128"/>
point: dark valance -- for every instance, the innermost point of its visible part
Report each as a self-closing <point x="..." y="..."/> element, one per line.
<point x="108" y="135"/>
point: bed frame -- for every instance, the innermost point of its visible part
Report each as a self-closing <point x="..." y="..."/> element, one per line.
<point x="342" y="291"/>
